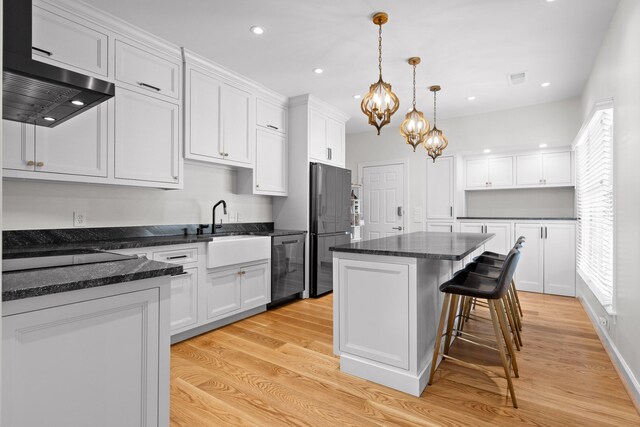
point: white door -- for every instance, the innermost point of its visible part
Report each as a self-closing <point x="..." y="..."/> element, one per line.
<point x="476" y="172"/>
<point x="223" y="292"/>
<point x="202" y="124"/>
<point x="18" y="146"/>
<point x="501" y="172"/>
<point x="501" y="242"/>
<point x="271" y="162"/>
<point x="560" y="259"/>
<point x="335" y="142"/>
<point x="529" y="272"/>
<point x="184" y="299"/>
<point x="318" y="136"/>
<point x="236" y="110"/>
<point x="440" y="188"/>
<point x="255" y="285"/>
<point x="556" y="168"/>
<point x="529" y="169"/>
<point x="146" y="138"/>
<point x="75" y="147"/>
<point x="383" y="200"/>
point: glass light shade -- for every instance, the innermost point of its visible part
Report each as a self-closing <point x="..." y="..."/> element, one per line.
<point x="414" y="128"/>
<point x="379" y="104"/>
<point x="435" y="143"/>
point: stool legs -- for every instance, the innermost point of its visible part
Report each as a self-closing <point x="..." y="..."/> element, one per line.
<point x="452" y="317"/>
<point x="503" y="357"/>
<point x="515" y="294"/>
<point x="436" y="350"/>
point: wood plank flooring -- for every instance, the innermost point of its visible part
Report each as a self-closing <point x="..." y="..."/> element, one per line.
<point x="277" y="368"/>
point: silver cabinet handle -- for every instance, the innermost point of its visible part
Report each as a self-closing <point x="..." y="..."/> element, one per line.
<point x="149" y="86"/>
<point x="39" y="164"/>
<point x="46" y="52"/>
<point x="396" y="228"/>
<point x="545" y="231"/>
<point x="542" y="232"/>
<point x="450" y="210"/>
<point x="177" y="257"/>
<point x="31" y="163"/>
<point x="272" y="127"/>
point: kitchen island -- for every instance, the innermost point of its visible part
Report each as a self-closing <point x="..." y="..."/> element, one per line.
<point x="387" y="303"/>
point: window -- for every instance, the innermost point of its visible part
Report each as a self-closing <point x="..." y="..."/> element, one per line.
<point x="594" y="192"/>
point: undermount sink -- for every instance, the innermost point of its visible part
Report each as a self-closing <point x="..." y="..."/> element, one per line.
<point x="229" y="250"/>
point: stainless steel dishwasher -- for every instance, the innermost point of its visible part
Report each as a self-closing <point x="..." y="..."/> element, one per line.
<point x="287" y="268"/>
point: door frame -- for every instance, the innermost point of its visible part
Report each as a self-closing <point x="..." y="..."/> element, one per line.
<point x="405" y="184"/>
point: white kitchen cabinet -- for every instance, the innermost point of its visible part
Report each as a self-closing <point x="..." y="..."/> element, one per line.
<point x="440" y="189"/>
<point x="69" y="44"/>
<point x="489" y="172"/>
<point x="271" y="163"/>
<point x="271" y="116"/>
<point x="238" y="288"/>
<point x="326" y="139"/>
<point x="548" y="260"/>
<point x="336" y="142"/>
<point x="95" y="356"/>
<point x="442" y="227"/>
<point x="184" y="299"/>
<point x="236" y="124"/>
<point x="147" y="141"/>
<point x="76" y="147"/>
<point x="539" y="169"/>
<point x="501" y="241"/>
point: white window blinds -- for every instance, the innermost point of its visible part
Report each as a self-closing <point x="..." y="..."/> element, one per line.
<point x="594" y="193"/>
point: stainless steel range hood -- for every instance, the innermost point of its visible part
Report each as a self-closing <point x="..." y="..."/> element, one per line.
<point x="35" y="92"/>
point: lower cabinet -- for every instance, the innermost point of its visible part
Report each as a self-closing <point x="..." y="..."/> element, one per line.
<point x="500" y="243"/>
<point x="184" y="299"/>
<point x="443" y="227"/>
<point x="238" y="288"/>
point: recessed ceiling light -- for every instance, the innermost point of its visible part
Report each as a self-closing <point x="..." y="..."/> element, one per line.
<point x="357" y="96"/>
<point x="486" y="151"/>
<point x="78" y="103"/>
<point x="550" y="1"/>
<point x="49" y="119"/>
<point x="545" y="84"/>
<point x="542" y="145"/>
<point x="258" y="31"/>
<point x="318" y="70"/>
<point x="471" y="98"/>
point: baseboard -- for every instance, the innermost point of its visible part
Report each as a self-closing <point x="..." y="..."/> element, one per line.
<point x="629" y="380"/>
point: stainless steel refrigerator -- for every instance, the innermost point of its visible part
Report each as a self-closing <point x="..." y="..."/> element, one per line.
<point x="329" y="223"/>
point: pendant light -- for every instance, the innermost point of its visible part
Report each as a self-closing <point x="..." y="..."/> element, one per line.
<point x="380" y="103"/>
<point x="435" y="141"/>
<point x="414" y="128"/>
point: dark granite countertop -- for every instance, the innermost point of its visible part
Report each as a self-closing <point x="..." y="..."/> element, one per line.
<point x="422" y="244"/>
<point x="33" y="283"/>
<point x="519" y="218"/>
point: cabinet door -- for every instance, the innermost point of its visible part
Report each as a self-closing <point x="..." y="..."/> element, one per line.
<point x="477" y="173"/>
<point x="556" y="168"/>
<point x="560" y="259"/>
<point x="223" y="292"/>
<point x="335" y="142"/>
<point x="271" y="162"/>
<point x="202" y="124"/>
<point x="18" y="146"/>
<point x="529" y="169"/>
<point x="146" y="138"/>
<point x="501" y="242"/>
<point x="501" y="172"/>
<point x="271" y="116"/>
<point x="443" y="227"/>
<point x="147" y="70"/>
<point x="184" y="299"/>
<point x="60" y="41"/>
<point x="76" y="147"/>
<point x="471" y="227"/>
<point x="529" y="273"/>
<point x="235" y="113"/>
<point x="317" y="136"/>
<point x="82" y="364"/>
<point x="255" y="285"/>
<point x="440" y="188"/>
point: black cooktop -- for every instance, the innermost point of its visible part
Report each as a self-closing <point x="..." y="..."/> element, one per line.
<point x="63" y="258"/>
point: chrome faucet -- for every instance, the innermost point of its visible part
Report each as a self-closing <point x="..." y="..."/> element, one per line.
<point x="224" y="207"/>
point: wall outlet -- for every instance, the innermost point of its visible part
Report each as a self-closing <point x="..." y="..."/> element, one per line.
<point x="603" y="322"/>
<point x="233" y="216"/>
<point x="79" y="219"/>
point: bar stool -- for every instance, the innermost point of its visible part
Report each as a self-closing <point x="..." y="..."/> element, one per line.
<point x="468" y="284"/>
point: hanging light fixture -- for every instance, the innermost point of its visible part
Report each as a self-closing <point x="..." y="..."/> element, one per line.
<point x="414" y="128"/>
<point x="435" y="141"/>
<point x="380" y="103"/>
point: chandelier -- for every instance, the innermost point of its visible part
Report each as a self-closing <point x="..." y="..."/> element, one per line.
<point x="435" y="141"/>
<point x="380" y="103"/>
<point x="414" y="128"/>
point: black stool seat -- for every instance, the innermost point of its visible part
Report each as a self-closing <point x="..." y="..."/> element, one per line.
<point x="481" y="259"/>
<point x="496" y="255"/>
<point x="473" y="285"/>
<point x="483" y="270"/>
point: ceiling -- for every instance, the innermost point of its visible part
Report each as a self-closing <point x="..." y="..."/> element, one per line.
<point x="469" y="47"/>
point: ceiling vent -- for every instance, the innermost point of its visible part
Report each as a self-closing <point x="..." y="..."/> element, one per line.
<point x="517" y="78"/>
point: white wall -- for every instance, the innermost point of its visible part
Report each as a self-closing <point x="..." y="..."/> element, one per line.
<point x="555" y="124"/>
<point x="37" y="204"/>
<point x="616" y="75"/>
<point x="532" y="202"/>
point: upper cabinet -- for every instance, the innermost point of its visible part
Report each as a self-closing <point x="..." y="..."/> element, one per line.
<point x="326" y="138"/>
<point x="69" y="44"/>
<point x="271" y="115"/>
<point x="440" y="188"/>
<point x="538" y="169"/>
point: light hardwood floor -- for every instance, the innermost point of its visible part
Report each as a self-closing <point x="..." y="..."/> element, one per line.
<point x="277" y="368"/>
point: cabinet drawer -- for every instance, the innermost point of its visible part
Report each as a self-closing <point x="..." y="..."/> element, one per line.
<point x="59" y="40"/>
<point x="177" y="256"/>
<point x="146" y="70"/>
<point x="271" y="116"/>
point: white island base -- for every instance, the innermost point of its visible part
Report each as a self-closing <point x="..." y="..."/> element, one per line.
<point x="386" y="313"/>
